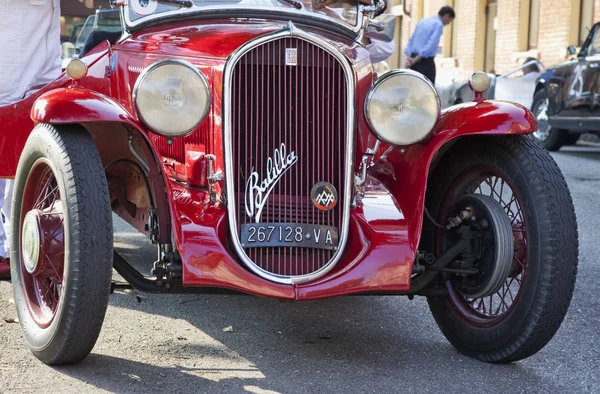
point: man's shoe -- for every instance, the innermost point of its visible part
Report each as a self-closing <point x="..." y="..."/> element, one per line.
<point x="4" y="268"/>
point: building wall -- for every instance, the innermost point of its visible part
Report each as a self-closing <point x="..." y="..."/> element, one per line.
<point x="431" y="7"/>
<point x="555" y="23"/>
<point x="596" y="11"/>
<point x="507" y="34"/>
<point x="466" y="34"/>
<point x="559" y="26"/>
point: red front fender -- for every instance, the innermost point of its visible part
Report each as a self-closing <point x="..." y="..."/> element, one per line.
<point x="78" y="105"/>
<point x="486" y="117"/>
<point x="405" y="171"/>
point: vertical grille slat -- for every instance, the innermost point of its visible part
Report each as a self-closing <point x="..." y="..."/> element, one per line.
<point x="303" y="107"/>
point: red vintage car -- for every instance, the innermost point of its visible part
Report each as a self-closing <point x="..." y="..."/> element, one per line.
<point x="252" y="142"/>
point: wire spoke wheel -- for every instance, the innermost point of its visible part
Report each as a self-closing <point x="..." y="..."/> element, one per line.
<point x="489" y="181"/>
<point x="518" y="317"/>
<point x="42" y="243"/>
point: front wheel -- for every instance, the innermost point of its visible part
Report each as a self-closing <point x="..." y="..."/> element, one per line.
<point x="525" y="312"/>
<point x="550" y="138"/>
<point x="62" y="245"/>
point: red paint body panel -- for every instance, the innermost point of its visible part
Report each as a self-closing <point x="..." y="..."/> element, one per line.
<point x="377" y="258"/>
<point x="16" y="126"/>
<point x="384" y="229"/>
<point x="200" y="228"/>
<point x="215" y="40"/>
<point x="77" y="105"/>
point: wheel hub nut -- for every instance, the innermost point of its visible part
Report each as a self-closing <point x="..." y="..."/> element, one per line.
<point x="31" y="241"/>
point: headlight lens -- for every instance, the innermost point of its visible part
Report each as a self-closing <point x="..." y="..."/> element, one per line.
<point x="479" y="82"/>
<point x="172" y="97"/>
<point x="402" y="107"/>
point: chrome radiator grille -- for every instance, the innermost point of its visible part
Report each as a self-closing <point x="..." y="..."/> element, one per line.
<point x="303" y="108"/>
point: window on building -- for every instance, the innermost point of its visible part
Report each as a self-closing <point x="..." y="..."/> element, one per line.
<point x="534" y="23"/>
<point x="586" y="21"/>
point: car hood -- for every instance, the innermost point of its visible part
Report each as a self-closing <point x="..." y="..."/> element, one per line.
<point x="217" y="39"/>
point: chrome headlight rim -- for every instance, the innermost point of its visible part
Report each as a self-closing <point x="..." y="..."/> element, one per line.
<point x="154" y="66"/>
<point x="385" y="77"/>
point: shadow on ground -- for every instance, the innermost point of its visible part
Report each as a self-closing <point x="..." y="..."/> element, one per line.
<point x="349" y="344"/>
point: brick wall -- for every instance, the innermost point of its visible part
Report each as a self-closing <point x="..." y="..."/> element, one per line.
<point x="466" y="23"/>
<point x="553" y="39"/>
<point x="408" y="27"/>
<point x="433" y="7"/>
<point x="507" y="34"/>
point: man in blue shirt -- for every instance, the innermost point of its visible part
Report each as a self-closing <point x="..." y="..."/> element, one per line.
<point x="422" y="45"/>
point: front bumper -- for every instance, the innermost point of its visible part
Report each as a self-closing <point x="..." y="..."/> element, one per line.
<point x="378" y="257"/>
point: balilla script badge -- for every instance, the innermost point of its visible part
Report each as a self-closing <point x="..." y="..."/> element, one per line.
<point x="257" y="191"/>
<point x="324" y="196"/>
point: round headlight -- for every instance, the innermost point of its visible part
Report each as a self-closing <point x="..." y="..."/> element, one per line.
<point x="76" y="69"/>
<point x="479" y="82"/>
<point x="402" y="107"/>
<point x="172" y="97"/>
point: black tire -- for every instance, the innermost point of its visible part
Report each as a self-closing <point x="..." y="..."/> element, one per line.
<point x="547" y="220"/>
<point x="550" y="138"/>
<point x="70" y="161"/>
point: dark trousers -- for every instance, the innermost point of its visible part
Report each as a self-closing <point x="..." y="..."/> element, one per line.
<point x="426" y="67"/>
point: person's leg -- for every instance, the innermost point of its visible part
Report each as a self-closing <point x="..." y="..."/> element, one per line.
<point x="6" y="211"/>
<point x="4" y="262"/>
<point x="433" y="72"/>
<point x="427" y="68"/>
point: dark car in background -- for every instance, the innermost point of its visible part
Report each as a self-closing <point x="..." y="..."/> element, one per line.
<point x="566" y="99"/>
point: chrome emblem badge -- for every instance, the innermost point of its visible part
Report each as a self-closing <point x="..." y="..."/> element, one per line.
<point x="291" y="57"/>
<point x="324" y="196"/>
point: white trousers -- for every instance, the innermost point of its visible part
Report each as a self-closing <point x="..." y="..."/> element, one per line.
<point x="29" y="55"/>
<point x="29" y="45"/>
<point x="6" y="189"/>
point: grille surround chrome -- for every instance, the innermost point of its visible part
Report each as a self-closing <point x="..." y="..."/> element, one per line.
<point x="289" y="31"/>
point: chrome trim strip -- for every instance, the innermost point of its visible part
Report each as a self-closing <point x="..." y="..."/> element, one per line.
<point x="290" y="31"/>
<point x="379" y="81"/>
<point x="356" y="29"/>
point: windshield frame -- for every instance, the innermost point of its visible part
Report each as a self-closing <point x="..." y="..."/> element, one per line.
<point x="255" y="12"/>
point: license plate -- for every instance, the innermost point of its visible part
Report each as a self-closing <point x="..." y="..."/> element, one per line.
<point x="260" y="235"/>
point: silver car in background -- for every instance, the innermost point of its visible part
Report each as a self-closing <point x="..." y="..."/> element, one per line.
<point x="516" y="85"/>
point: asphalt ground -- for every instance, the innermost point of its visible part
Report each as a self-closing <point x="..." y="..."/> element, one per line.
<point x="177" y="343"/>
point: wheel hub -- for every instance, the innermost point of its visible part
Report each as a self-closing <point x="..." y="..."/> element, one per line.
<point x="541" y="116"/>
<point x="31" y="242"/>
<point x="493" y="246"/>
